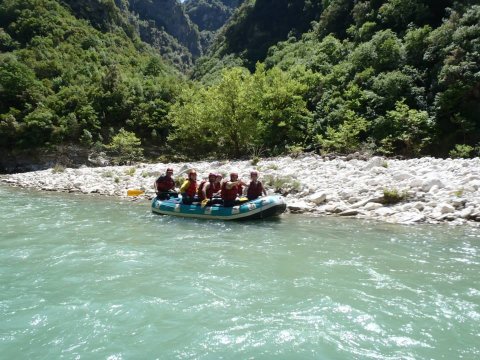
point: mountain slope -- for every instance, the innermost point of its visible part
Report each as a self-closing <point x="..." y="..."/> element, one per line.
<point x="63" y="81"/>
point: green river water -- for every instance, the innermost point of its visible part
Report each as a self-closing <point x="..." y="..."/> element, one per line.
<point x="85" y="277"/>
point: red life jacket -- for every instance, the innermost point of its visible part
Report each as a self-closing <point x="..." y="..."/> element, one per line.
<point x="214" y="187"/>
<point x="192" y="188"/>
<point x="164" y="183"/>
<point x="254" y="190"/>
<point x="230" y="194"/>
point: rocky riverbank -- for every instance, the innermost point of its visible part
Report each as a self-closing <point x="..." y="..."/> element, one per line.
<point x="425" y="190"/>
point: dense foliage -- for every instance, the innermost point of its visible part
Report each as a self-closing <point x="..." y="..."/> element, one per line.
<point x="397" y="77"/>
<point x="394" y="77"/>
<point x="62" y="81"/>
<point x="241" y="113"/>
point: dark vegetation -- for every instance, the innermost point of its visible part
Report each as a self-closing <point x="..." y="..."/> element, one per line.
<point x="395" y="77"/>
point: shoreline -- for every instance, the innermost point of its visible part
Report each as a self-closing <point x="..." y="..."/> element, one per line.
<point x="428" y="190"/>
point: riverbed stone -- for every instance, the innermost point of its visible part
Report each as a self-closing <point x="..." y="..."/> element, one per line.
<point x="445" y="208"/>
<point x="349" y="212"/>
<point x="372" y="206"/>
<point x="384" y="211"/>
<point x="431" y="181"/>
<point x="318" y="198"/>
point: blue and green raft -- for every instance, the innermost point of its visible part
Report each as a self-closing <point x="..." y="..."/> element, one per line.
<point x="260" y="208"/>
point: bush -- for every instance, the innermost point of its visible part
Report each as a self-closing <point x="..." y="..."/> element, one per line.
<point x="125" y="147"/>
<point x="461" y="151"/>
<point x="58" y="168"/>
<point x="130" y="172"/>
<point x="393" y="196"/>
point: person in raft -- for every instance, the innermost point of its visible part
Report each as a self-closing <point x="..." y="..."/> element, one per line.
<point x="165" y="186"/>
<point x="255" y="188"/>
<point x="231" y="190"/>
<point x="188" y="190"/>
<point x="209" y="189"/>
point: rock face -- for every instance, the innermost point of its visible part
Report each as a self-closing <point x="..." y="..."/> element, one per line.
<point x="210" y="15"/>
<point x="428" y="190"/>
<point x="169" y="14"/>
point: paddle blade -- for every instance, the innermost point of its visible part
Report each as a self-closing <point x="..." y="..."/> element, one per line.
<point x="204" y="203"/>
<point x="135" y="192"/>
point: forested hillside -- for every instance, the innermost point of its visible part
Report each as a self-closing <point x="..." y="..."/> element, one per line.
<point x="393" y="77"/>
<point x="64" y="82"/>
<point x="161" y="23"/>
<point x="396" y="76"/>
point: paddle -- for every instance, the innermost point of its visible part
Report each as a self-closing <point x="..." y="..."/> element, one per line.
<point x="135" y="192"/>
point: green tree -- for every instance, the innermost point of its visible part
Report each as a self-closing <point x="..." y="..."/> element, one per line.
<point x="125" y="147"/>
<point x="410" y="131"/>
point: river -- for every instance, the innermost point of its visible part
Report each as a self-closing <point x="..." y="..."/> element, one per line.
<point x="84" y="277"/>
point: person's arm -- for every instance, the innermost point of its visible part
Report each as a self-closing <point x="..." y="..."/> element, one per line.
<point x="264" y="192"/>
<point x="231" y="184"/>
<point x="184" y="186"/>
<point x="204" y="190"/>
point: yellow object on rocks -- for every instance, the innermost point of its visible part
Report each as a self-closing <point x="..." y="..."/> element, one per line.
<point x="135" y="192"/>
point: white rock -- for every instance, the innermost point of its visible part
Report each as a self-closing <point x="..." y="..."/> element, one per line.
<point x="444" y="209"/>
<point x="458" y="202"/>
<point x="375" y="161"/>
<point x="384" y="211"/>
<point x="466" y="213"/>
<point x="419" y="206"/>
<point x="298" y="206"/>
<point x="415" y="182"/>
<point x="349" y="212"/>
<point x="410" y="217"/>
<point x="372" y="206"/>
<point x="400" y="175"/>
<point x="431" y="181"/>
<point x="335" y="209"/>
<point x="318" y="198"/>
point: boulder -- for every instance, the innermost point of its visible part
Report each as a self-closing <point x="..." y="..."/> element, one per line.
<point x="335" y="209"/>
<point x="466" y="213"/>
<point x="444" y="209"/>
<point x="431" y="181"/>
<point x="349" y="212"/>
<point x="384" y="211"/>
<point x="372" y="206"/>
<point x="410" y="217"/>
<point x="375" y="161"/>
<point x="318" y="198"/>
<point x="400" y="176"/>
<point x="298" y="207"/>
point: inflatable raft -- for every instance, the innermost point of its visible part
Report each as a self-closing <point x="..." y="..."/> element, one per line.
<point x="260" y="208"/>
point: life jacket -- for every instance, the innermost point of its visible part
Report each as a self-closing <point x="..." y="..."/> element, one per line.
<point x="192" y="188"/>
<point x="254" y="190"/>
<point x="164" y="183"/>
<point x="230" y="194"/>
<point x="214" y="187"/>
